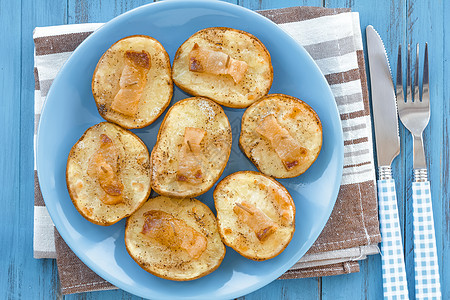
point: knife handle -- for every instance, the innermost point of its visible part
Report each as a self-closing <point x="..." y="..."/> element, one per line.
<point x="392" y="258"/>
<point x="426" y="268"/>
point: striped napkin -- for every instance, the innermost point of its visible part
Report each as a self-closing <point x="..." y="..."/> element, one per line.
<point x="333" y="38"/>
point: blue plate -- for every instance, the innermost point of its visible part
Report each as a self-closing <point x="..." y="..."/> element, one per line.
<point x="70" y="109"/>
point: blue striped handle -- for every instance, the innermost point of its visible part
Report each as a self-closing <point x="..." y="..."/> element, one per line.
<point x="392" y="258"/>
<point x="425" y="255"/>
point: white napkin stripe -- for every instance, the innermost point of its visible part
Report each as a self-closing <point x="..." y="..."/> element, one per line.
<point x="338" y="64"/>
<point x="351" y="108"/>
<point x="347" y="88"/>
<point x="357" y="31"/>
<point x="50" y="64"/>
<point x="43" y="239"/>
<point x="320" y="29"/>
<point x="64" y="29"/>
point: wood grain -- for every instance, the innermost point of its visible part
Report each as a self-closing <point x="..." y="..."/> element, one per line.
<point x="444" y="169"/>
<point x="37" y="277"/>
<point x="10" y="81"/>
<point x="398" y="21"/>
<point x="425" y="25"/>
<point x="22" y="275"/>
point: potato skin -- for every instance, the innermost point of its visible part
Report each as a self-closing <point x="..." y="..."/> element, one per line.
<point x="158" y="90"/>
<point x="165" y="263"/>
<point x="196" y="112"/>
<point x="239" y="45"/>
<point x="258" y="189"/>
<point x="297" y="117"/>
<point x="137" y="172"/>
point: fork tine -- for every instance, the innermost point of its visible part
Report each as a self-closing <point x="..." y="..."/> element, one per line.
<point x="425" y="79"/>
<point x="416" y="76"/>
<point x="408" y="75"/>
<point x="399" y="86"/>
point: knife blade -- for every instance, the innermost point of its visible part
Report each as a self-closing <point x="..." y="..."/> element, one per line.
<point x="384" y="105"/>
<point x="387" y="142"/>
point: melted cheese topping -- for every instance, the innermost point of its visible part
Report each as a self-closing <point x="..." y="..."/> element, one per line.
<point x="282" y="203"/>
<point x="173" y="233"/>
<point x="286" y="147"/>
<point x="189" y="166"/>
<point x="103" y="167"/>
<point x="216" y="62"/>
<point x="252" y="216"/>
<point x="132" y="82"/>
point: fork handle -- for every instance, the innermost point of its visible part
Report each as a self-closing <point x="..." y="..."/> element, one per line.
<point x="418" y="152"/>
<point x="392" y="258"/>
<point x="426" y="268"/>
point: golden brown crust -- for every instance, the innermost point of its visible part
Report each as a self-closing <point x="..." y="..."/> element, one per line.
<point x="127" y="121"/>
<point x="287" y="108"/>
<point x="69" y="177"/>
<point x="159" y="183"/>
<point x="215" y="250"/>
<point x="223" y="200"/>
<point x="233" y="104"/>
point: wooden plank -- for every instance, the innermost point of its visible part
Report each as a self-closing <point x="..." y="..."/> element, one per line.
<point x="306" y="288"/>
<point x="444" y="178"/>
<point x="84" y="11"/>
<point x="388" y="18"/>
<point x="38" y="278"/>
<point x="14" y="215"/>
<point x="28" y="278"/>
<point x="425" y="25"/>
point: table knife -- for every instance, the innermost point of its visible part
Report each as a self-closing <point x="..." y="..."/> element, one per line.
<point x="388" y="147"/>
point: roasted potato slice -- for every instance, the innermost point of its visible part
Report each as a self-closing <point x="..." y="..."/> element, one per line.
<point x="255" y="213"/>
<point x="229" y="66"/>
<point x="176" y="239"/>
<point x="132" y="83"/>
<point x="281" y="135"/>
<point x="108" y="174"/>
<point x="192" y="148"/>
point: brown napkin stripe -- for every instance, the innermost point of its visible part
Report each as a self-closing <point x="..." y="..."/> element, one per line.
<point x="329" y="270"/>
<point x="59" y="43"/>
<point x="38" y="199"/>
<point x="299" y="13"/>
<point x="347" y="76"/>
<point x="350" y="218"/>
<point x="74" y="275"/>
<point x="37" y="86"/>
<point x="356" y="141"/>
<point x="362" y="71"/>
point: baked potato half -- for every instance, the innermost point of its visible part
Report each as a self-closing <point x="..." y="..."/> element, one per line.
<point x="281" y="135"/>
<point x="229" y="66"/>
<point x="255" y="214"/>
<point x="132" y="83"/>
<point x="192" y="148"/>
<point x="175" y="239"/>
<point x="108" y="174"/>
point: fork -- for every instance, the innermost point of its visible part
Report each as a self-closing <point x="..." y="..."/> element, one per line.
<point x="415" y="115"/>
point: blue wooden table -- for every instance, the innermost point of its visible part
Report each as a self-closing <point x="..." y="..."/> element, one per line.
<point x="398" y="21"/>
